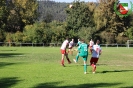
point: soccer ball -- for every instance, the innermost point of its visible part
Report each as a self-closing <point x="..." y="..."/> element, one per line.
<point x="70" y="6"/>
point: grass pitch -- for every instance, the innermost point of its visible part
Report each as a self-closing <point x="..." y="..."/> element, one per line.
<point x="39" y="67"/>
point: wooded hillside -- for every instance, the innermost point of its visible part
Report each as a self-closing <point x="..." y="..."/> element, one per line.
<point x="51" y="10"/>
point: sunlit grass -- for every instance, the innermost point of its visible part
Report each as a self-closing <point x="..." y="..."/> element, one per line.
<point x="39" y="67"/>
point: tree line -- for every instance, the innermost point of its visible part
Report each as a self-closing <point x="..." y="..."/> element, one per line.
<point x="49" y="21"/>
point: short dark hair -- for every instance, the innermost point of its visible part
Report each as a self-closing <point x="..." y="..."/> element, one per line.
<point x="82" y="40"/>
<point x="67" y="37"/>
<point x="97" y="41"/>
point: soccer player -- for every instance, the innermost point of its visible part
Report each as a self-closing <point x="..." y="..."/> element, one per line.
<point x="78" y="44"/>
<point x="91" y="43"/>
<point x="96" y="52"/>
<point x="64" y="53"/>
<point x="83" y="52"/>
<point x="71" y="45"/>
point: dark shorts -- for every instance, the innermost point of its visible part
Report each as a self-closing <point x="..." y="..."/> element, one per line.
<point x="93" y="60"/>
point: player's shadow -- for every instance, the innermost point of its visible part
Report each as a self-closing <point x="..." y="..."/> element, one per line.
<point x="127" y="87"/>
<point x="8" y="82"/>
<point x="79" y="64"/>
<point x="87" y="85"/>
<point x="89" y="64"/>
<point x="5" y="55"/>
<point x="101" y="64"/>
<point x="115" y="71"/>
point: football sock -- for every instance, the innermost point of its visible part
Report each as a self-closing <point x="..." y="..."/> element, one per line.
<point x="85" y="68"/>
<point x="77" y="58"/>
<point x="68" y="60"/>
<point x="94" y="68"/>
<point x="62" y="61"/>
<point x="92" y="65"/>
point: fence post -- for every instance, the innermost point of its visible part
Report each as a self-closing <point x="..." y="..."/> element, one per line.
<point x="106" y="45"/>
<point x="20" y="44"/>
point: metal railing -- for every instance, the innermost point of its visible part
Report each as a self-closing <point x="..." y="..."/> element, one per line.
<point x="29" y="44"/>
<point x="16" y="44"/>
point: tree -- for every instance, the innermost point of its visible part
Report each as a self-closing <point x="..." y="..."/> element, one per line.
<point x="129" y="33"/>
<point x="58" y="31"/>
<point x="78" y="16"/>
<point x="108" y="24"/>
<point x="34" y="33"/>
<point x="3" y="14"/>
<point x="50" y="10"/>
<point x="79" y="20"/>
<point x="86" y="33"/>
<point x="21" y="13"/>
<point x="3" y="19"/>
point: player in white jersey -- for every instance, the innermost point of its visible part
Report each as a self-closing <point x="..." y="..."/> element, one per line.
<point x="71" y="45"/>
<point x="91" y="43"/>
<point x="96" y="52"/>
<point x="63" y="52"/>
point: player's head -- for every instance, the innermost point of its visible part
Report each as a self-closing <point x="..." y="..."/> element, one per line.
<point x="67" y="38"/>
<point x="78" y="39"/>
<point x="72" y="39"/>
<point x="97" y="42"/>
<point x="82" y="40"/>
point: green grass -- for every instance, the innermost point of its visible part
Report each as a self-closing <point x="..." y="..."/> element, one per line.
<point x="39" y="67"/>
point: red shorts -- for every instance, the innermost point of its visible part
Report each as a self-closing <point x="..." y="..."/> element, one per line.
<point x="63" y="51"/>
<point x="94" y="60"/>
